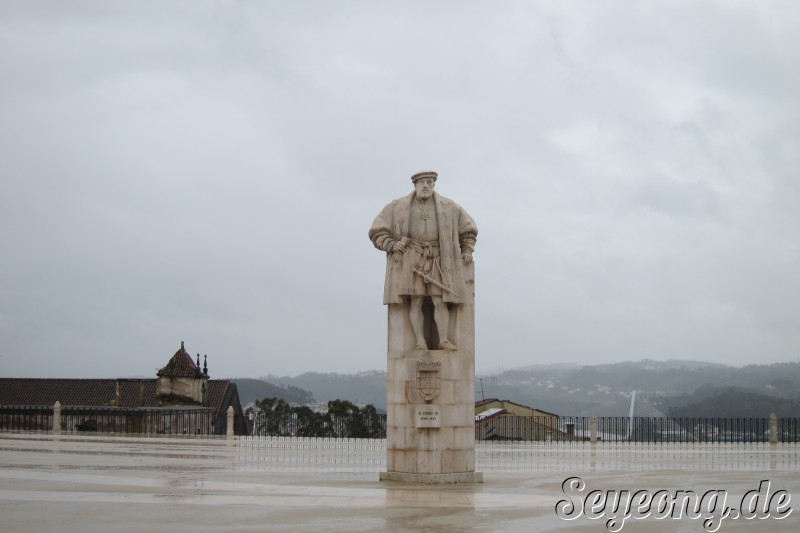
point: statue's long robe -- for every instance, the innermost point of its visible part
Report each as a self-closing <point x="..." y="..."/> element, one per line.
<point x="457" y="234"/>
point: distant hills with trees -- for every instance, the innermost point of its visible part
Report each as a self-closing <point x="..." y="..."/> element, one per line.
<point x="678" y="388"/>
<point x="360" y="388"/>
<point x="251" y="390"/>
<point x="719" y="401"/>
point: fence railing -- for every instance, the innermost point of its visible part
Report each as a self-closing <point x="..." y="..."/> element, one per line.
<point x="321" y="425"/>
<point x="101" y="419"/>
<point x="638" y="429"/>
<point x="200" y="421"/>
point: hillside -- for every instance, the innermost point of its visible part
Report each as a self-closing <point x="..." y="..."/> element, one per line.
<point x="718" y="401"/>
<point x="666" y="384"/>
<point x="361" y="388"/>
<point x="251" y="390"/>
<point x="704" y="389"/>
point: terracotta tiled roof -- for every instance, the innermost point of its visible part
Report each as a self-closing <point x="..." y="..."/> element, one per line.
<point x="24" y="391"/>
<point x="220" y="394"/>
<point x="215" y="392"/>
<point x="95" y="392"/>
<point x="180" y="366"/>
<point x="503" y="403"/>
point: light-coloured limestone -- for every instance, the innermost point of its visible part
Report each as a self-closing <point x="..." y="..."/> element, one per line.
<point x="229" y="422"/>
<point x="446" y="438"/>
<point x="403" y="415"/>
<point x="402" y="368"/>
<point x="447" y="393"/>
<point x="452" y="413"/>
<point x="463" y="438"/>
<point x="427" y="415"/>
<point x="396" y="440"/>
<point x="459" y="369"/>
<point x="468" y="413"/>
<point x="455" y="462"/>
<point x="429" y="462"/>
<point x="404" y="461"/>
<point x="395" y="392"/>
<point x="429" y="291"/>
<point x="463" y="394"/>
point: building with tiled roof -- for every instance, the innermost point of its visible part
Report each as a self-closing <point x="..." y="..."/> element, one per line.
<point x="507" y="420"/>
<point x="181" y="384"/>
<point x="181" y="381"/>
<point x="511" y="407"/>
<point x="182" y="366"/>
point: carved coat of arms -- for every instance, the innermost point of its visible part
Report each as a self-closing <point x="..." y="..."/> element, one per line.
<point x="429" y="383"/>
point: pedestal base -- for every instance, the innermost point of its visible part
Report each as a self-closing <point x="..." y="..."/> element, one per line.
<point x="433" y="479"/>
<point x="430" y="396"/>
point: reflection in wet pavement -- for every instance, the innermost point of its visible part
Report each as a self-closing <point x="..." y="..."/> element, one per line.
<point x="130" y="484"/>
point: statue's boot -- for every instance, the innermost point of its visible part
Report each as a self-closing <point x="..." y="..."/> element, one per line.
<point x="447" y="345"/>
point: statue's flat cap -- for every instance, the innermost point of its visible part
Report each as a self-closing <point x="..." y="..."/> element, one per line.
<point x="424" y="174"/>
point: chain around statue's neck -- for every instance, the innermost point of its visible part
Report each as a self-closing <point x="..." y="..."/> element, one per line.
<point x="425" y="212"/>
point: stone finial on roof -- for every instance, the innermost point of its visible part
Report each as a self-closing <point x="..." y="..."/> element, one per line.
<point x="180" y="365"/>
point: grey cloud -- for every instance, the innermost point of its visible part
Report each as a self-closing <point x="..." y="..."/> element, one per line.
<point x="208" y="173"/>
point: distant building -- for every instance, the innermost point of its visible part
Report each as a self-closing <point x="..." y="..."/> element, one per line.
<point x="192" y="403"/>
<point x="506" y="420"/>
<point x="511" y="407"/>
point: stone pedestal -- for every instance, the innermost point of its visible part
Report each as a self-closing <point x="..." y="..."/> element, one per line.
<point x="431" y="398"/>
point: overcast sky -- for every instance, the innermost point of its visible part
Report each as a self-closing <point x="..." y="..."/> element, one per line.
<point x="207" y="171"/>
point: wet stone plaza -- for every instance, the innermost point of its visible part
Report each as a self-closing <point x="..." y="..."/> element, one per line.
<point x="104" y="483"/>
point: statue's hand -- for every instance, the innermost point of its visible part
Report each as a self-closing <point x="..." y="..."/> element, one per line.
<point x="399" y="247"/>
<point x="467" y="257"/>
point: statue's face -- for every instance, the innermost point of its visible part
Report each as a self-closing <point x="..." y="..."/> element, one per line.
<point x="424" y="187"/>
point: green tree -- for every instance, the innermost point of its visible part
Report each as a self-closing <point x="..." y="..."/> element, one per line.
<point x="349" y="421"/>
<point x="344" y="419"/>
<point x="276" y="417"/>
<point x="309" y="423"/>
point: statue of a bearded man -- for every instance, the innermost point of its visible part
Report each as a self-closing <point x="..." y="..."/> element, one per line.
<point x="427" y="239"/>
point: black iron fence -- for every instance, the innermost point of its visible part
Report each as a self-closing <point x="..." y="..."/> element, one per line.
<point x="200" y="421"/>
<point x="638" y="429"/>
<point x="151" y="421"/>
<point x="788" y="430"/>
<point x="325" y="425"/>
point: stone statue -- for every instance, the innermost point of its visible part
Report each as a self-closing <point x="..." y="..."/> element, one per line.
<point x="427" y="239"/>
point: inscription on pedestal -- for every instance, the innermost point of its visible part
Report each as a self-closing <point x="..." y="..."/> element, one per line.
<point x="427" y="416"/>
